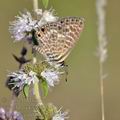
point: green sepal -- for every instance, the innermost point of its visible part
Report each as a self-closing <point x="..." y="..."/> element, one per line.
<point x="45" y="3"/>
<point x="26" y="90"/>
<point x="44" y="87"/>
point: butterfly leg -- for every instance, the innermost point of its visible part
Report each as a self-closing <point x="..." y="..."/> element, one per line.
<point x="65" y="66"/>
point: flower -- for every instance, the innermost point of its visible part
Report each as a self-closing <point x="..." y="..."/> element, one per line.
<point x="5" y="115"/>
<point x="50" y="112"/>
<point x="51" y="76"/>
<point x="46" y="17"/>
<point x="2" y="114"/>
<point x="60" y="116"/>
<point x="17" y="80"/>
<point x="20" y="27"/>
<point x="38" y="12"/>
<point x="17" y="116"/>
<point x="31" y="78"/>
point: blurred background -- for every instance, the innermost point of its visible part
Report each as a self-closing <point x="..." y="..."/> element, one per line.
<point x="81" y="94"/>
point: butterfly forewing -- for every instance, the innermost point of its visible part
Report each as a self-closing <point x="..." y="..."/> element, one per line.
<point x="57" y="39"/>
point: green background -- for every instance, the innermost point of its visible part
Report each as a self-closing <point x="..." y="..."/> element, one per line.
<point x="81" y="94"/>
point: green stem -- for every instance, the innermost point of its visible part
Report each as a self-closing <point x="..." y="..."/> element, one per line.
<point x="35" y="5"/>
<point x="36" y="85"/>
<point x="37" y="93"/>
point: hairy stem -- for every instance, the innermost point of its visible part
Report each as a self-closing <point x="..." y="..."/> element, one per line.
<point x="35" y="4"/>
<point x="36" y="85"/>
<point x="37" y="93"/>
<point x="12" y="105"/>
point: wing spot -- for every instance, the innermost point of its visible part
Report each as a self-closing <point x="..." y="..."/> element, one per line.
<point x="81" y="22"/>
<point x="59" y="27"/>
<point x="67" y="20"/>
<point x="39" y="35"/>
<point x="43" y="29"/>
<point x="72" y="20"/>
<point x="61" y="21"/>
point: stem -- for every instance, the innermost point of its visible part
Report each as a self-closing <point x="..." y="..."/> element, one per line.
<point x="102" y="90"/>
<point x="102" y="50"/>
<point x="37" y="94"/>
<point x="35" y="5"/>
<point x="12" y="105"/>
<point x="13" y="102"/>
<point x="36" y="85"/>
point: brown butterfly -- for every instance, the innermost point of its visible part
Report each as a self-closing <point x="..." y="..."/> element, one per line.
<point x="56" y="39"/>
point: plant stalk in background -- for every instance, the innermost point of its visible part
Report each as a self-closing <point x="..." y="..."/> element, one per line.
<point x="102" y="50"/>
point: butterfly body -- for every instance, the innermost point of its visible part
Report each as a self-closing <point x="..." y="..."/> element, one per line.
<point x="56" y="39"/>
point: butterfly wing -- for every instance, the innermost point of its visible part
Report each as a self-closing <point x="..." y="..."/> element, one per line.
<point x="57" y="39"/>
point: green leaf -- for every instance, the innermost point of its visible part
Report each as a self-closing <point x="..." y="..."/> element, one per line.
<point x="26" y="91"/>
<point x="44" y="86"/>
<point x="45" y="3"/>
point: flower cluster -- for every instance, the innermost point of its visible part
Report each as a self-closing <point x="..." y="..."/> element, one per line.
<point x="60" y="116"/>
<point x="22" y="27"/>
<point x="50" y="112"/>
<point x="29" y="75"/>
<point x="4" y="115"/>
<point x="46" y="74"/>
<point x="51" y="76"/>
<point x="23" y="24"/>
<point x="17" y="80"/>
<point x="46" y="16"/>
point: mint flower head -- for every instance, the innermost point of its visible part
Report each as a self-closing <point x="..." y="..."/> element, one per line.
<point x="22" y="27"/>
<point x="17" y="80"/>
<point x="46" y="16"/>
<point x="51" y="76"/>
<point x="60" y="115"/>
<point x="6" y="115"/>
<point x="23" y="24"/>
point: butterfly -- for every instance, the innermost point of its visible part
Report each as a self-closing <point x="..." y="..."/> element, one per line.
<point x="57" y="39"/>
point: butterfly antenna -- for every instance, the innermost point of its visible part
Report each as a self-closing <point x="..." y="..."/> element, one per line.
<point x="66" y="72"/>
<point x="65" y="66"/>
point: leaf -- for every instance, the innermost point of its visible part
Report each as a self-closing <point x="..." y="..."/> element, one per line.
<point x="45" y="3"/>
<point x="26" y="91"/>
<point x="44" y="86"/>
